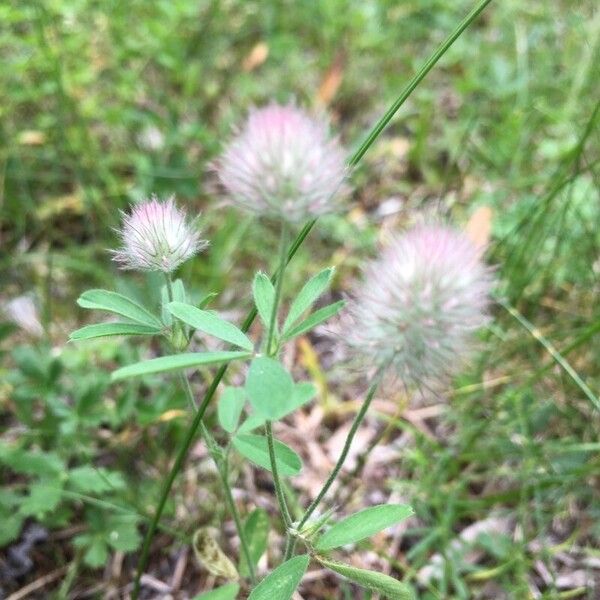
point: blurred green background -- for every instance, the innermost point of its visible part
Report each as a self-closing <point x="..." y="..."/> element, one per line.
<point x="103" y="103"/>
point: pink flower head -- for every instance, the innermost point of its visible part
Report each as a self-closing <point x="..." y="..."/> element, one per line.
<point x="420" y="303"/>
<point x="157" y="236"/>
<point x="284" y="164"/>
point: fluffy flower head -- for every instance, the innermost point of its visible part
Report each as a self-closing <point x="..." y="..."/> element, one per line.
<point x="157" y="236"/>
<point x="284" y="164"/>
<point x="420" y="303"/>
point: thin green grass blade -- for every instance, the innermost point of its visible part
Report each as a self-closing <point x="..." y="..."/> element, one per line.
<point x="560" y="360"/>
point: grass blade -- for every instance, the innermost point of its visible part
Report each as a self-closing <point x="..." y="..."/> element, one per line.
<point x="560" y="360"/>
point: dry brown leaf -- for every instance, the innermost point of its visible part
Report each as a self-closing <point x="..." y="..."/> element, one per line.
<point x="211" y="557"/>
<point x="69" y="203"/>
<point x="331" y="81"/>
<point x="32" y="138"/>
<point x="479" y="227"/>
<point x="399" y="147"/>
<point x="256" y="57"/>
<point x="169" y="415"/>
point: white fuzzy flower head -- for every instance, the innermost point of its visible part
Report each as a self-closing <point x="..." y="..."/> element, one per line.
<point x="157" y="236"/>
<point x="420" y="303"/>
<point x="284" y="164"/>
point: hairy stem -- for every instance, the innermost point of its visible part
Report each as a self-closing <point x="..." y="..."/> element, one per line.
<point x="221" y="463"/>
<point x="278" y="287"/>
<point x="353" y="161"/>
<point x="285" y="513"/>
<point x="236" y="517"/>
<point x="169" y="287"/>
<point x="361" y="461"/>
<point x="347" y="444"/>
<point x="271" y="351"/>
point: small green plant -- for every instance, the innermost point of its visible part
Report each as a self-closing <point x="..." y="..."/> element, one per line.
<point x="52" y="474"/>
<point x="245" y="414"/>
<point x="283" y="166"/>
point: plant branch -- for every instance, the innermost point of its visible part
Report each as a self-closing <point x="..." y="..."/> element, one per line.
<point x="223" y="469"/>
<point x="283" y="508"/>
<point x="278" y="287"/>
<point x="285" y="513"/>
<point x="221" y="463"/>
<point x="358" y="419"/>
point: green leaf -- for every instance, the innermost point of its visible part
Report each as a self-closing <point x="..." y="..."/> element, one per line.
<point x="251" y="423"/>
<point x="308" y="295"/>
<point x="303" y="393"/>
<point x="11" y="527"/>
<point x="118" y="304"/>
<point x="175" y="362"/>
<point x="42" y="498"/>
<point x="31" y="462"/>
<point x="384" y="584"/>
<point x="229" y="409"/>
<point x="256" y="533"/>
<point x="209" y="322"/>
<point x="269" y="388"/>
<point x="206" y="300"/>
<point x="256" y="449"/>
<point x="264" y="297"/>
<point x="88" y="479"/>
<point x="107" y="329"/>
<point x="363" y="524"/>
<point x="316" y="318"/>
<point x="225" y="592"/>
<point x="96" y="554"/>
<point x="122" y="533"/>
<point x="283" y="581"/>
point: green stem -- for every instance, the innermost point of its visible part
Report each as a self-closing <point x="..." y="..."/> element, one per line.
<point x="361" y="461"/>
<point x="338" y="466"/>
<point x="353" y="161"/>
<point x="169" y="287"/>
<point x="271" y="351"/>
<point x="285" y="513"/>
<point x="290" y="546"/>
<point x="168" y="484"/>
<point x="222" y="465"/>
<point x="278" y="286"/>
<point x="416" y="80"/>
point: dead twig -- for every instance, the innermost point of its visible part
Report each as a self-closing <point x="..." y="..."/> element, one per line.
<point x="37" y="584"/>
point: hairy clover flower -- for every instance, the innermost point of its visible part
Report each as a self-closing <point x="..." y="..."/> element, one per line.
<point x="157" y="236"/>
<point x="420" y="303"/>
<point x="284" y="164"/>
